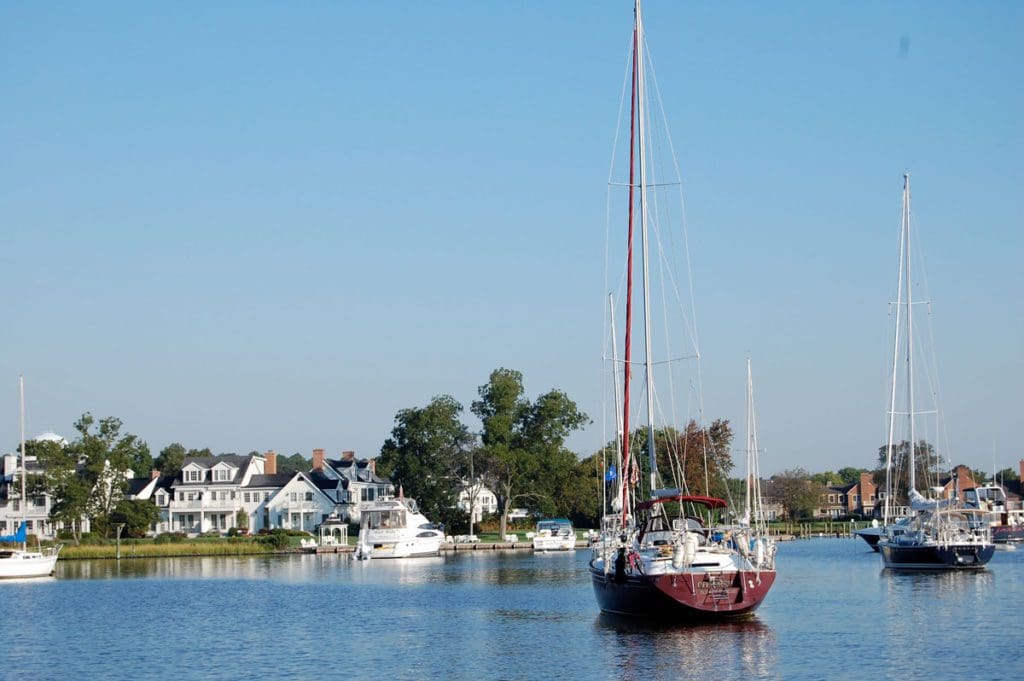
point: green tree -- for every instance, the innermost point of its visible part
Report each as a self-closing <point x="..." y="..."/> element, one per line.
<point x="1007" y="474"/>
<point x="293" y="464"/>
<point x="169" y="461"/>
<point x="925" y="463"/>
<point x="850" y="475"/>
<point x="796" y="492"/>
<point x="106" y="458"/>
<point x="524" y="442"/>
<point x="426" y="456"/>
<point x="137" y="515"/>
<point x="68" y="490"/>
<point x="241" y="519"/>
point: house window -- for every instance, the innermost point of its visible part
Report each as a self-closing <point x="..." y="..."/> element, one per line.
<point x="245" y="497"/>
<point x="309" y="496"/>
<point x="367" y="494"/>
<point x="14" y="505"/>
<point x="831" y="498"/>
<point x="159" y="499"/>
<point x="266" y="496"/>
<point x="293" y="496"/>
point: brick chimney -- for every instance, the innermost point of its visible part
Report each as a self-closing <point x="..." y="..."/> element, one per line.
<point x="350" y="455"/>
<point x="318" y="459"/>
<point x="1020" y="464"/>
<point x="373" y="466"/>
<point x="270" y="466"/>
<point x="154" y="474"/>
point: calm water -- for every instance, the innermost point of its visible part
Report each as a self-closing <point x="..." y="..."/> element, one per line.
<point x="833" y="613"/>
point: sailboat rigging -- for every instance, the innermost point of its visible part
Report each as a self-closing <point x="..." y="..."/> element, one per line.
<point x="678" y="553"/>
<point x="22" y="563"/>
<point x="940" y="533"/>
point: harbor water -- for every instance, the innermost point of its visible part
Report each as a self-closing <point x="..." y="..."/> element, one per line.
<point x="833" y="613"/>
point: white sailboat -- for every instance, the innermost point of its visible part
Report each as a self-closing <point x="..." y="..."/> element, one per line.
<point x="941" y="533"/>
<point x="22" y="563"/>
<point x="667" y="553"/>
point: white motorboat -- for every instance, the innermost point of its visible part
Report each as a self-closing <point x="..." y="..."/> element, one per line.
<point x="395" y="528"/>
<point x="554" y="535"/>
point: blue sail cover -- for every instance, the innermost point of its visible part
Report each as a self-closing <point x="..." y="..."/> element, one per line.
<point x="18" y="536"/>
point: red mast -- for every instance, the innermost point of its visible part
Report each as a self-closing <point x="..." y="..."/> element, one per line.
<point x="626" y="463"/>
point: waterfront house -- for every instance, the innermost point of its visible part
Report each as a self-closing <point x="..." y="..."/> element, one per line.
<point x="349" y="482"/>
<point x="483" y="500"/>
<point x="207" y="494"/>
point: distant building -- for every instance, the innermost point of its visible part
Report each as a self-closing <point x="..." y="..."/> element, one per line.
<point x="484" y="501"/>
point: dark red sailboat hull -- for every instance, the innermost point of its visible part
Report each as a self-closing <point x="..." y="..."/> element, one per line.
<point x="695" y="597"/>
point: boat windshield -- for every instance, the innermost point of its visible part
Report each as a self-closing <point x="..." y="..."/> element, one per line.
<point x="554" y="526"/>
<point x="383" y="520"/>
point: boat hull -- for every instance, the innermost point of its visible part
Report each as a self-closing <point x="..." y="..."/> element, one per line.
<point x="870" y="535"/>
<point x="1006" y="534"/>
<point x="936" y="557"/>
<point x="683" y="597"/>
<point x="21" y="565"/>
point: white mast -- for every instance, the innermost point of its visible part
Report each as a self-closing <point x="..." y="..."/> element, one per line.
<point x="618" y="411"/>
<point x="642" y="153"/>
<point x="910" y="333"/>
<point x="751" y="443"/>
<point x="21" y="429"/>
<point x="895" y="355"/>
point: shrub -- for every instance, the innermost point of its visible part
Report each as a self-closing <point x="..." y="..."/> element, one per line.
<point x="170" y="538"/>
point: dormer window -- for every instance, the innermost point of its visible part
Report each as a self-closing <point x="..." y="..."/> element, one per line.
<point x="193" y="475"/>
<point x="222" y="475"/>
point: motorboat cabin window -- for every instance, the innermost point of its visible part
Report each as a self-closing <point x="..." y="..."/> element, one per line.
<point x="384" y="520"/>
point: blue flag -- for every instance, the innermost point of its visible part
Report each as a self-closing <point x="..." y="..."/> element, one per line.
<point x="611" y="474"/>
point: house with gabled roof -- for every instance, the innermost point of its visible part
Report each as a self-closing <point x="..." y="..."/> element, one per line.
<point x="298" y="504"/>
<point x="349" y="481"/>
<point x="206" y="495"/>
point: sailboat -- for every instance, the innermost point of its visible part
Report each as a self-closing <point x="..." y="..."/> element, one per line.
<point x="22" y="563"/>
<point x="940" y="533"/>
<point x="677" y="553"/>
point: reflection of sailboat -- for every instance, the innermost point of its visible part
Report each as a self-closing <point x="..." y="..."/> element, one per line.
<point x="20" y="563"/>
<point x="941" y="534"/>
<point x="669" y="554"/>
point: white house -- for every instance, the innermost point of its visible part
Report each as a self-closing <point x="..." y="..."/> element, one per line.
<point x="483" y="499"/>
<point x="207" y="494"/>
<point x="297" y="505"/>
<point x="349" y="481"/>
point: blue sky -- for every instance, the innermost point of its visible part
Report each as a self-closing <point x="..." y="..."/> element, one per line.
<point x="266" y="226"/>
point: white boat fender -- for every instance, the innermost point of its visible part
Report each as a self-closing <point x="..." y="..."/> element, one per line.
<point x="759" y="552"/>
<point x="690" y="547"/>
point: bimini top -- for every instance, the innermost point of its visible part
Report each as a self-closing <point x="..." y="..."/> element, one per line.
<point x="710" y="502"/>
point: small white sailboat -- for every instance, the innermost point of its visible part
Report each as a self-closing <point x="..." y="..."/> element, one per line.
<point x="22" y="563"/>
<point x="940" y="533"/>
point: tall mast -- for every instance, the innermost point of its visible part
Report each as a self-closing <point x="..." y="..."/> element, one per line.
<point x="626" y="463"/>
<point x="910" y="333"/>
<point x="642" y="152"/>
<point x="21" y="430"/>
<point x="751" y="441"/>
<point x="618" y="422"/>
<point x="890" y="489"/>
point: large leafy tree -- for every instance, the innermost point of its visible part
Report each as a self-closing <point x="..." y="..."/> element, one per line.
<point x="523" y="441"/>
<point x="68" y="489"/>
<point x="104" y="459"/>
<point x="695" y="459"/>
<point x="925" y="463"/>
<point x="796" y="492"/>
<point x="426" y="456"/>
<point x="137" y="516"/>
<point x="169" y="461"/>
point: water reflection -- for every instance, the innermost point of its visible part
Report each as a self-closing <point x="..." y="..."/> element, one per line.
<point x="744" y="648"/>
